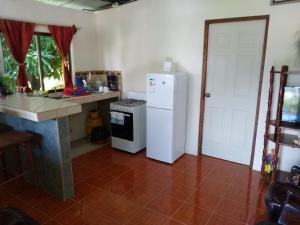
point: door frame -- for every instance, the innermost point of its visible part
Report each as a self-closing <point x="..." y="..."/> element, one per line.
<point x="204" y="74"/>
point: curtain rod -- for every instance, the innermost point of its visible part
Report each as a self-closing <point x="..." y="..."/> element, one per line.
<point x="46" y="25"/>
<point x="41" y="24"/>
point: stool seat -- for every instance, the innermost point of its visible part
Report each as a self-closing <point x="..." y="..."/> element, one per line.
<point x="4" y="128"/>
<point x="12" y="138"/>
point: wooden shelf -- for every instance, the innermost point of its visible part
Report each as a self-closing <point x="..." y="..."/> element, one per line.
<point x="294" y="126"/>
<point x="280" y="176"/>
<point x="290" y="72"/>
<point x="285" y="139"/>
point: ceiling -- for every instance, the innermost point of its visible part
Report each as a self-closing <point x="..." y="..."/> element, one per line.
<point x="89" y="5"/>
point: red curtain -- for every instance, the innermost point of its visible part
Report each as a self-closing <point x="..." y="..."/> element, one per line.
<point x="18" y="36"/>
<point x="63" y="37"/>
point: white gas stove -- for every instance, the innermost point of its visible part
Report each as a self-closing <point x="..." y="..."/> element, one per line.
<point x="128" y="123"/>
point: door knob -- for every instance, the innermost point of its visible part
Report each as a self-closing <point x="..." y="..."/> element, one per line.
<point x="207" y="95"/>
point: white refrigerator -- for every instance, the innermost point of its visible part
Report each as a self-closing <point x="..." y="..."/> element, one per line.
<point x="166" y="116"/>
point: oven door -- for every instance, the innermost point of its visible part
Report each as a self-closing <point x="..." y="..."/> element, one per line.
<point x="124" y="131"/>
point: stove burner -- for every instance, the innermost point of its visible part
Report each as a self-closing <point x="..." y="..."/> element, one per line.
<point x="130" y="102"/>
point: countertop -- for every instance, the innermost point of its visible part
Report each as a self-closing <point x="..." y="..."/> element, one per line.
<point x="93" y="97"/>
<point x="41" y="109"/>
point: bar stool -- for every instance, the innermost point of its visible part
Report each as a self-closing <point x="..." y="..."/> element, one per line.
<point x="9" y="216"/>
<point x="4" y="128"/>
<point x="12" y="140"/>
<point x="266" y="223"/>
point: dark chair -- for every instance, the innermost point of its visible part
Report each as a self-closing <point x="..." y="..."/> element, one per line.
<point x="13" y="216"/>
<point x="290" y="207"/>
<point x="279" y="193"/>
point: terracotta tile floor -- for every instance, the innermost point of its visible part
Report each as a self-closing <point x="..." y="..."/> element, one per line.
<point x="114" y="188"/>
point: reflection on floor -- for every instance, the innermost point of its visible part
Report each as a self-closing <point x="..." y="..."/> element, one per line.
<point x="113" y="187"/>
<point x="83" y="146"/>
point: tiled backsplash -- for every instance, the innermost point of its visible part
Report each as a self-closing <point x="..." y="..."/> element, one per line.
<point x="101" y="75"/>
<point x="98" y="72"/>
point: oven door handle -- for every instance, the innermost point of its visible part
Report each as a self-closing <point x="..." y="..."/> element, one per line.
<point x="127" y="115"/>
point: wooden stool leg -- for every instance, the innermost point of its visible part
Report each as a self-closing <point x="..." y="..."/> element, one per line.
<point x="31" y="162"/>
<point x="18" y="161"/>
<point x="4" y="164"/>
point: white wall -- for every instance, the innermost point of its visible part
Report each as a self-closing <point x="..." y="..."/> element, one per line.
<point x="136" y="38"/>
<point x="85" y="57"/>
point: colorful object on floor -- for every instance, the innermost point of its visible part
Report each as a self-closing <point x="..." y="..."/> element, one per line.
<point x="93" y="120"/>
<point x="270" y="160"/>
<point x="268" y="168"/>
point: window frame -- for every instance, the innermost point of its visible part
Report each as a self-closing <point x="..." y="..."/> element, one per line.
<point x="2" y="71"/>
<point x="36" y="38"/>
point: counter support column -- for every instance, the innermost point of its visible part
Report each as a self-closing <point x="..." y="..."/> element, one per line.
<point x="53" y="160"/>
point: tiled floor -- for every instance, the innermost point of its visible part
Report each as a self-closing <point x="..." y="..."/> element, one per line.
<point x="114" y="188"/>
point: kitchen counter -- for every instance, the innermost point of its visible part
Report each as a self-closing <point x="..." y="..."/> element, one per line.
<point x="41" y="109"/>
<point x="49" y="118"/>
<point x="93" y="97"/>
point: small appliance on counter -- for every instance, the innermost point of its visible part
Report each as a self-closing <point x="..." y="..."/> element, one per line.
<point x="112" y="82"/>
<point x="166" y="115"/>
<point x="128" y="123"/>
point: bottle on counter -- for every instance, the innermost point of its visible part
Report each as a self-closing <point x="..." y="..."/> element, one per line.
<point x="98" y="83"/>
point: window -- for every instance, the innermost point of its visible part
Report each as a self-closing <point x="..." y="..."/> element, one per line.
<point x="43" y="64"/>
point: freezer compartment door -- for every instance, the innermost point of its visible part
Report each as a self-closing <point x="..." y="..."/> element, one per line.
<point x="160" y="91"/>
<point x="160" y="134"/>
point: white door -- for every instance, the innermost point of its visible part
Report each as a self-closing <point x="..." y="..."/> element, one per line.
<point x="233" y="70"/>
<point x="160" y="91"/>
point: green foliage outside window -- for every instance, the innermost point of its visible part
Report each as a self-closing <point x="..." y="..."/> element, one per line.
<point x="50" y="65"/>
